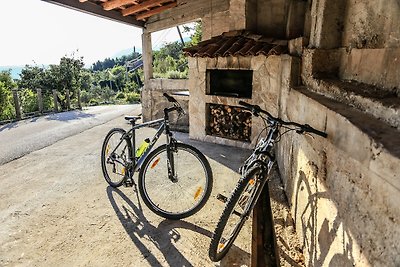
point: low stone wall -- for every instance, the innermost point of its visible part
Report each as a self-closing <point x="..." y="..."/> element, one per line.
<point x="153" y="101"/>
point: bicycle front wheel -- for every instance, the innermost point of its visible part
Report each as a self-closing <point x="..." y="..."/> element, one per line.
<point x="115" y="157"/>
<point x="235" y="214"/>
<point x="186" y="193"/>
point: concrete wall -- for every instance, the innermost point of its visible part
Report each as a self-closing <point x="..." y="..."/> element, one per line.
<point x="153" y="102"/>
<point x="367" y="36"/>
<point x="344" y="190"/>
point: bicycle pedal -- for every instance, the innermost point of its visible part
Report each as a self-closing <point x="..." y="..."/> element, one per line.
<point x="222" y="198"/>
<point x="128" y="183"/>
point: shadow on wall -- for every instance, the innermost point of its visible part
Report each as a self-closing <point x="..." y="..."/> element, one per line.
<point x="319" y="241"/>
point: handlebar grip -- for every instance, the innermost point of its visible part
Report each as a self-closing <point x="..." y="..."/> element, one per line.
<point x="310" y="129"/>
<point x="247" y="105"/>
<point x="169" y="98"/>
<point x="253" y="108"/>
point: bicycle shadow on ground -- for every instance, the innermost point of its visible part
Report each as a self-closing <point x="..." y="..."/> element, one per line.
<point x="164" y="235"/>
<point x="235" y="257"/>
<point x="138" y="228"/>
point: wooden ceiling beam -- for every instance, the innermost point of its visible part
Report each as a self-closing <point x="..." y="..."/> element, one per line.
<point x="143" y="6"/>
<point x="109" y="5"/>
<point x="155" y="11"/>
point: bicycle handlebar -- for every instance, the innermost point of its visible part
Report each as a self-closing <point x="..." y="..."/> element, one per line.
<point x="255" y="109"/>
<point x="176" y="106"/>
<point x="170" y="98"/>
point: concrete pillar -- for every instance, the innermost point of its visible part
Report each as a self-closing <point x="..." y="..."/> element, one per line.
<point x="16" y="104"/>
<point x="68" y="99"/>
<point x="55" y="100"/>
<point x="40" y="99"/>
<point x="147" y="56"/>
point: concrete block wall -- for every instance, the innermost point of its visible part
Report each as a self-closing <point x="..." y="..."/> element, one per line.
<point x="343" y="190"/>
<point x="153" y="102"/>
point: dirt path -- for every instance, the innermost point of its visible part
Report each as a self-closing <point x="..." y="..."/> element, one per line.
<point x="56" y="210"/>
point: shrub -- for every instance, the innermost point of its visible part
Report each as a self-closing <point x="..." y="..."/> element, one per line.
<point x="29" y="101"/>
<point x="94" y="102"/>
<point x="120" y="95"/>
<point x="132" y="98"/>
<point x="7" y="110"/>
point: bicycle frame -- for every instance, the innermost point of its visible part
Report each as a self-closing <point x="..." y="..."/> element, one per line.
<point x="263" y="148"/>
<point x="136" y="163"/>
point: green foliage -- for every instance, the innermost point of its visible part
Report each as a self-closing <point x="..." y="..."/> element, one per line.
<point x="33" y="77"/>
<point x="107" y="81"/>
<point x="197" y="35"/>
<point x="109" y="63"/>
<point x="48" y="102"/>
<point x="132" y="98"/>
<point x="5" y="77"/>
<point x="28" y="101"/>
<point x="120" y="95"/>
<point x="7" y="110"/>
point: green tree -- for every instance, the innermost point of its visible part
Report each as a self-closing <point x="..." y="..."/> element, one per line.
<point x="32" y="77"/>
<point x="197" y="34"/>
<point x="6" y="107"/>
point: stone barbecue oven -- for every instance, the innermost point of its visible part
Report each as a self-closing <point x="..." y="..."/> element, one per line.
<point x="222" y="71"/>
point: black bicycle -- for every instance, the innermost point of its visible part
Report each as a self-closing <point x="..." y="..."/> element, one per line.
<point x="175" y="179"/>
<point x="254" y="175"/>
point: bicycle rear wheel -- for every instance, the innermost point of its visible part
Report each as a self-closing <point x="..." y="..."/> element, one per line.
<point x="183" y="196"/>
<point x="114" y="157"/>
<point x="235" y="214"/>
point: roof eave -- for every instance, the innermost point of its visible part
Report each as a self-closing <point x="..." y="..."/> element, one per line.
<point x="93" y="9"/>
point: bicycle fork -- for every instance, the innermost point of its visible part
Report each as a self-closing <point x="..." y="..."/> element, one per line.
<point x="171" y="147"/>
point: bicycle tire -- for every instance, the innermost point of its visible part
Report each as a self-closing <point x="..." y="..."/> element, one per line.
<point x="192" y="190"/>
<point x="118" y="173"/>
<point x="217" y="249"/>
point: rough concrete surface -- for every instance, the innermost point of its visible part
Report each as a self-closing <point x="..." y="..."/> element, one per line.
<point x="57" y="210"/>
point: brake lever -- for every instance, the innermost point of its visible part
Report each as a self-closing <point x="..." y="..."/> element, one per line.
<point x="305" y="133"/>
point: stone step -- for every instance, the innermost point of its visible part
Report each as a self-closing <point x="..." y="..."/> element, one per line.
<point x="382" y="134"/>
<point x="380" y="103"/>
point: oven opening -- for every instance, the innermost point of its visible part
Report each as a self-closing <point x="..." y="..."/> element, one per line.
<point x="230" y="83"/>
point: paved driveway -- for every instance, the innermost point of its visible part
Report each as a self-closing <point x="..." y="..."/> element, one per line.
<point x="57" y="210"/>
<point x="20" y="138"/>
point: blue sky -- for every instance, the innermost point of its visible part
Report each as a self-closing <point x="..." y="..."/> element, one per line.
<point x="33" y="31"/>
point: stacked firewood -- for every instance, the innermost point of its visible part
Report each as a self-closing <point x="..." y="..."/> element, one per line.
<point x="229" y="122"/>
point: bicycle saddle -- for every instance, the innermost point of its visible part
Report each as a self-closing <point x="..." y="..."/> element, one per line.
<point x="132" y="119"/>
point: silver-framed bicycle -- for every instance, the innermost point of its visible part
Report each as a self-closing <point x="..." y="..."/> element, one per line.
<point x="254" y="175"/>
<point x="175" y="179"/>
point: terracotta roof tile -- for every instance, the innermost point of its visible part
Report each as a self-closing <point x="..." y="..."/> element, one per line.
<point x="237" y="43"/>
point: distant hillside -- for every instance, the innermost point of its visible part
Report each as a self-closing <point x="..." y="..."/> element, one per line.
<point x="15" y="70"/>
